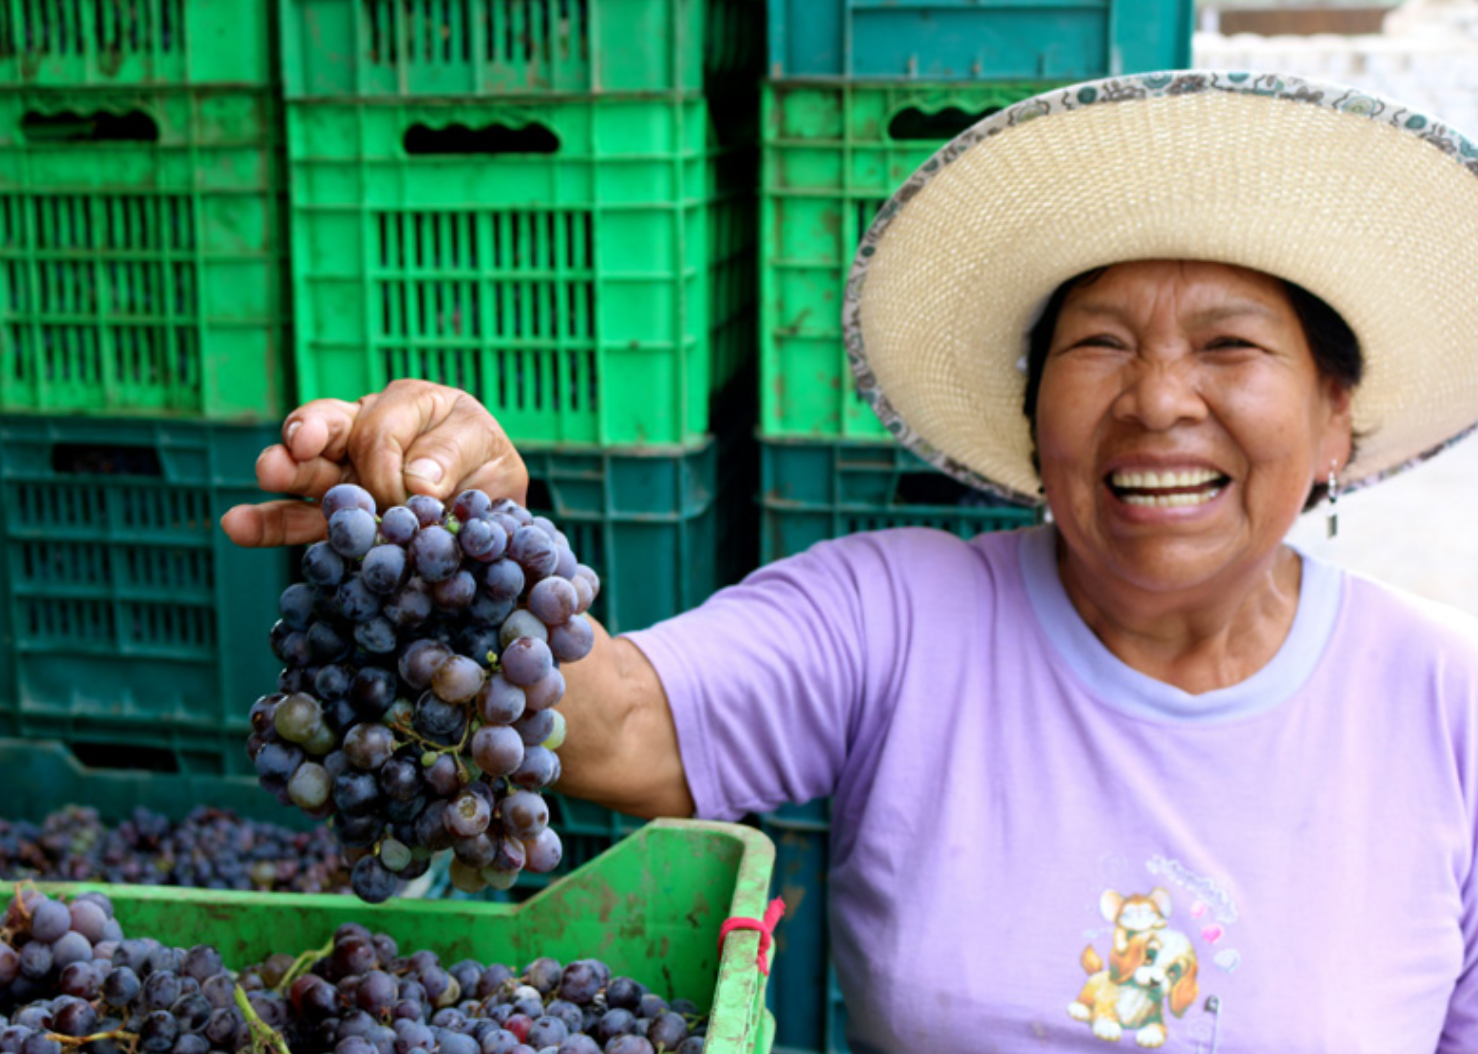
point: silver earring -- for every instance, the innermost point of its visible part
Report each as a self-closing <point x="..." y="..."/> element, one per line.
<point x="1332" y="493"/>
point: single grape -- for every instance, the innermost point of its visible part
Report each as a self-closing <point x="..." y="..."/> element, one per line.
<point x="554" y="600"/>
<point x="457" y="680"/>
<point x="328" y="644"/>
<point x="585" y="596"/>
<point x="368" y="746"/>
<point x="534" y="551"/>
<point x="443" y="776"/>
<point x="439" y="721"/>
<point x="498" y="750"/>
<point x="372" y="881"/>
<point x="567" y="564"/>
<point x="508" y="855"/>
<point x="294" y="649"/>
<point x="71" y="947"/>
<point x="399" y="525"/>
<point x="668" y="1031"/>
<point x="478" y="643"/>
<point x="346" y="496"/>
<point x="525" y="814"/>
<point x="526" y="660"/>
<point x="418" y="662"/>
<point x="354" y="601"/>
<point x="385" y="569"/>
<point x="476" y="851"/>
<point x="535" y="727"/>
<point x="428" y="510"/>
<point x="321" y="566"/>
<point x="296" y="605"/>
<point x="49" y="920"/>
<point x="522" y="624"/>
<point x="503" y="580"/>
<point x="436" y="554"/>
<point x="263" y="711"/>
<point x="629" y="1044"/>
<point x="456" y="594"/>
<point x="356" y="793"/>
<point x="400" y="779"/>
<point x="472" y="505"/>
<point x="482" y="540"/>
<point x="468" y="815"/>
<point x="352" y="532"/>
<point x="556" y="737"/>
<point x="539" y="769"/>
<point x="467" y="879"/>
<point x="497" y="878"/>
<point x="547" y="691"/>
<point x="321" y="739"/>
<point x="296" y="716"/>
<point x="511" y="508"/>
<point x="500" y="703"/>
<point x="395" y="855"/>
<point x="579" y="984"/>
<point x="376" y="635"/>
<point x="572" y="641"/>
<point x="410" y="606"/>
<point x="333" y="682"/>
<point x="372" y="692"/>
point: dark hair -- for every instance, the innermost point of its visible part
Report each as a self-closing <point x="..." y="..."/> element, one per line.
<point x="1336" y="350"/>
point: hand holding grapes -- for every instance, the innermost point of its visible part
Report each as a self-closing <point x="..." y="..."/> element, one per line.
<point x="414" y="437"/>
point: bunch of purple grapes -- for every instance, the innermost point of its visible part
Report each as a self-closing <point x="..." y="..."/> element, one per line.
<point x="72" y="981"/>
<point x="210" y="848"/>
<point x="416" y="709"/>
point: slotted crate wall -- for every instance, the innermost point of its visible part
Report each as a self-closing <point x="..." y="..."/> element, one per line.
<point x="404" y="48"/>
<point x="812" y="491"/>
<point x="967" y="40"/>
<point x="131" y="622"/>
<point x="141" y="265"/>
<point x="832" y="155"/>
<point x="582" y="267"/>
<point x="110" y="43"/>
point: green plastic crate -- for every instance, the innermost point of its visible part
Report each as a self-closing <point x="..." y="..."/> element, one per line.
<point x="108" y="43"/>
<point x="344" y="49"/>
<point x="130" y="622"/>
<point x="662" y="528"/>
<point x="976" y="40"/>
<point x="812" y="491"/>
<point x="141" y="265"/>
<point x="651" y="908"/>
<point x="831" y="156"/>
<point x="584" y="270"/>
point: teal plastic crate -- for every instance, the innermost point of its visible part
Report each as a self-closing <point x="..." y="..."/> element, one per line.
<point x="976" y="40"/>
<point x="812" y="491"/>
<point x="346" y="49"/>
<point x="42" y="776"/>
<point x="111" y="43"/>
<point x="582" y="267"/>
<point x="831" y="156"/>
<point x="141" y="254"/>
<point x="663" y="529"/>
<point x="132" y="628"/>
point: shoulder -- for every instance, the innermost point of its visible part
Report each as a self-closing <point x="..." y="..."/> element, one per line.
<point x="1408" y="622"/>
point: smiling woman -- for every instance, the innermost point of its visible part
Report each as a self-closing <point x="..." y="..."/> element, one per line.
<point x="1144" y="771"/>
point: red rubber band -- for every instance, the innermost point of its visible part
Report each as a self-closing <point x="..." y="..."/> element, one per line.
<point x="766" y="930"/>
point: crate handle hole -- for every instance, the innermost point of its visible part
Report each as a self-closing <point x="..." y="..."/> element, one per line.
<point x="102" y="126"/>
<point x="489" y="139"/>
<point x="914" y="123"/>
<point x="131" y="758"/>
<point x="105" y="459"/>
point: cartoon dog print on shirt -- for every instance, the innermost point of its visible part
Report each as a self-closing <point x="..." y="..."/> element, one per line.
<point x="1148" y="963"/>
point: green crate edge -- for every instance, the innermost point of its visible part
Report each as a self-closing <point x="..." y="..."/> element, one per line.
<point x="695" y="50"/>
<point x="241" y="28"/>
<point x="806" y="385"/>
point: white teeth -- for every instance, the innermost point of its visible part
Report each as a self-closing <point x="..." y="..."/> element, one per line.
<point x="1170" y="501"/>
<point x="1163" y="480"/>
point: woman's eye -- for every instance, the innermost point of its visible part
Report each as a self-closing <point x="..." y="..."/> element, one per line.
<point x="1226" y="343"/>
<point x="1099" y="340"/>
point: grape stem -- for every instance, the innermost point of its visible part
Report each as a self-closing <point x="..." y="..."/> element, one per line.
<point x="264" y="1038"/>
<point x="301" y="966"/>
<point x="130" y="1040"/>
<point x="435" y="749"/>
<point x="19" y="907"/>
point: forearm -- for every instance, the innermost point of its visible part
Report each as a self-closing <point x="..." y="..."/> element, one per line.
<point x="621" y="747"/>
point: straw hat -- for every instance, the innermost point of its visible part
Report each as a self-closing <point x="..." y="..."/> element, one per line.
<point x="1366" y="203"/>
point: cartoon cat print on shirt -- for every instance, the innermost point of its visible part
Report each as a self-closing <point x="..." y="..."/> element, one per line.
<point x="1148" y="964"/>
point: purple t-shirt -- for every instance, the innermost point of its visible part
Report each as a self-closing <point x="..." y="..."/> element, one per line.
<point x="1033" y="843"/>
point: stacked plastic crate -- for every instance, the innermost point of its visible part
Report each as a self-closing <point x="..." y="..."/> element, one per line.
<point x="860" y="93"/>
<point x="142" y="322"/>
<point x="549" y="204"/>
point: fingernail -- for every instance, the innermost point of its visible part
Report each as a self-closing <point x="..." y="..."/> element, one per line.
<point x="424" y="468"/>
<point x="292" y="430"/>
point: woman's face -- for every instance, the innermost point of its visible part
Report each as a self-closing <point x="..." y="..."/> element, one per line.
<point x="1181" y="423"/>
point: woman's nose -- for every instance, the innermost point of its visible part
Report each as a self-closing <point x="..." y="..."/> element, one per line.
<point x="1159" y="393"/>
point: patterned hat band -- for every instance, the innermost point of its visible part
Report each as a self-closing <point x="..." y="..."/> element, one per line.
<point x="1366" y="203"/>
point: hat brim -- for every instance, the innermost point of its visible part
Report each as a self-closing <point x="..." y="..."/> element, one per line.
<point x="1368" y="204"/>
